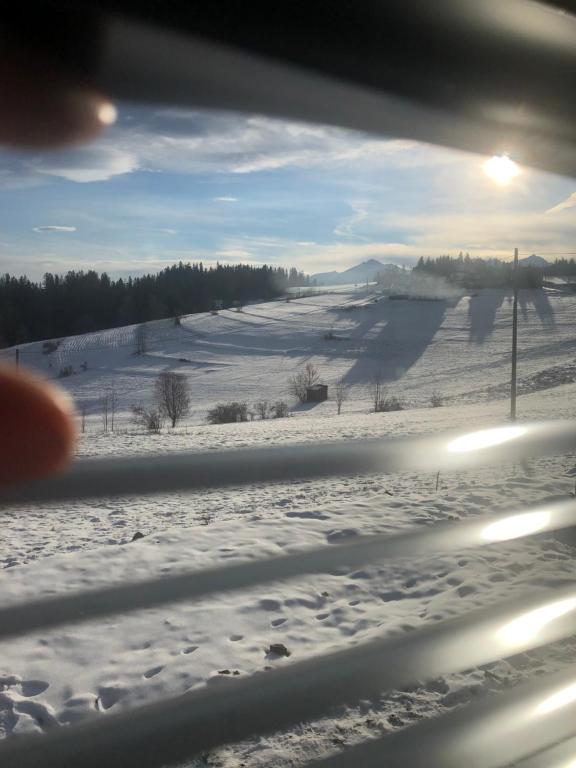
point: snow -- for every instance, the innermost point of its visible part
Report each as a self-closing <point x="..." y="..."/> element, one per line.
<point x="458" y="347"/>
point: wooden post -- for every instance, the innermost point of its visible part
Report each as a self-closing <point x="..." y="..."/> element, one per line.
<point x="514" y="338"/>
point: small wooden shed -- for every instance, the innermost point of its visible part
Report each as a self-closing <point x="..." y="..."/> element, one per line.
<point x="316" y="393"/>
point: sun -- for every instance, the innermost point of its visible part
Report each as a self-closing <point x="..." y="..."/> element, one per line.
<point x="501" y="169"/>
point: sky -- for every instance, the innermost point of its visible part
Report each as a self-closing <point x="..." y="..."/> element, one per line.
<point x="164" y="185"/>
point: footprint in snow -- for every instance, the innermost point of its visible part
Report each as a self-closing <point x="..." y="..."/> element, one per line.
<point x="191" y="649"/>
<point x="308" y="515"/>
<point x="269" y="605"/>
<point x="33" y="687"/>
<point x="153" y="672"/>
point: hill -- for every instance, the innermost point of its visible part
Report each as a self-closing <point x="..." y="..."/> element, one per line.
<point x="534" y="261"/>
<point x="249" y="355"/>
<point x="367" y="271"/>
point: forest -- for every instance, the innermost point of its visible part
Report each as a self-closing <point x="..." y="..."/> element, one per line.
<point x="470" y="272"/>
<point x="78" y="302"/>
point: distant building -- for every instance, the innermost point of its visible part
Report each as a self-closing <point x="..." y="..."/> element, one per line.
<point x="316" y="393"/>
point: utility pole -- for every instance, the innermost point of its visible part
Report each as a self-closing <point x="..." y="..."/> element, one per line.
<point x="514" y="338"/>
<point x="17" y="351"/>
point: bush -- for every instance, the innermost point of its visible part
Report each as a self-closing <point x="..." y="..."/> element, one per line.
<point x="280" y="409"/>
<point x="151" y="418"/>
<point x="389" y="403"/>
<point x="436" y="401"/>
<point x="65" y="371"/>
<point x="228" y="413"/>
<point x="50" y="346"/>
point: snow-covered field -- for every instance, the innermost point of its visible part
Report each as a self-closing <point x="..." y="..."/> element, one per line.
<point x="458" y="348"/>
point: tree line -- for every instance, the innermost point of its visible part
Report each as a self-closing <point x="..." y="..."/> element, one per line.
<point x="78" y="302"/>
<point x="479" y="273"/>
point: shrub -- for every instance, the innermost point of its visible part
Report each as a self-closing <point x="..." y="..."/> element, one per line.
<point x="389" y="403"/>
<point x="436" y="401"/>
<point x="150" y="418"/>
<point x="50" y="346"/>
<point x="280" y="409"/>
<point x="228" y="413"/>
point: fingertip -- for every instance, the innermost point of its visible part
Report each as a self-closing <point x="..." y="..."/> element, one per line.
<point x="37" y="427"/>
<point x="41" y="110"/>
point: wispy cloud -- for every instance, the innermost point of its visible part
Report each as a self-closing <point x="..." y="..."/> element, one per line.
<point x="225" y="199"/>
<point x="346" y="227"/>
<point x="569" y="202"/>
<point x="54" y="228"/>
<point x="201" y="142"/>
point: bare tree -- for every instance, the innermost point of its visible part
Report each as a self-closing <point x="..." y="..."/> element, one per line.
<point x="105" y="406"/>
<point x="262" y="408"/>
<point x="150" y="418"/>
<point x="342" y="393"/>
<point x="172" y="396"/>
<point x="113" y="405"/>
<point x="141" y="339"/>
<point x="83" y="410"/>
<point x="302" y="379"/>
<point x="376" y="386"/>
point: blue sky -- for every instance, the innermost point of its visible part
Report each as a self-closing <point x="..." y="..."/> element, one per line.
<point x="166" y="185"/>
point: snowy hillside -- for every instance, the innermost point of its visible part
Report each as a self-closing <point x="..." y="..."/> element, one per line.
<point x="459" y="348"/>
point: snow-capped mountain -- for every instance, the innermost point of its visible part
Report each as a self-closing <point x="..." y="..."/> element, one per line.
<point x="366" y="271"/>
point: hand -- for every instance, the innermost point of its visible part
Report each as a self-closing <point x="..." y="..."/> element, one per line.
<point x="39" y="109"/>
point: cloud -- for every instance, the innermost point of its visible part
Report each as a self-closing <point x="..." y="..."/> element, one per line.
<point x="97" y="163"/>
<point x="225" y="199"/>
<point x="569" y="202"/>
<point x="174" y="141"/>
<point x="346" y="227"/>
<point x="54" y="228"/>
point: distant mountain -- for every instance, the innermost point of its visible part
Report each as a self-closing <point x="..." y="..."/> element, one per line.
<point x="367" y="270"/>
<point x="533" y="261"/>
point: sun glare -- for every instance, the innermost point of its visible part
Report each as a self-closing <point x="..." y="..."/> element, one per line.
<point x="515" y="526"/>
<point x="528" y="626"/>
<point x="486" y="438"/>
<point x="501" y="169"/>
<point x="560" y="699"/>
